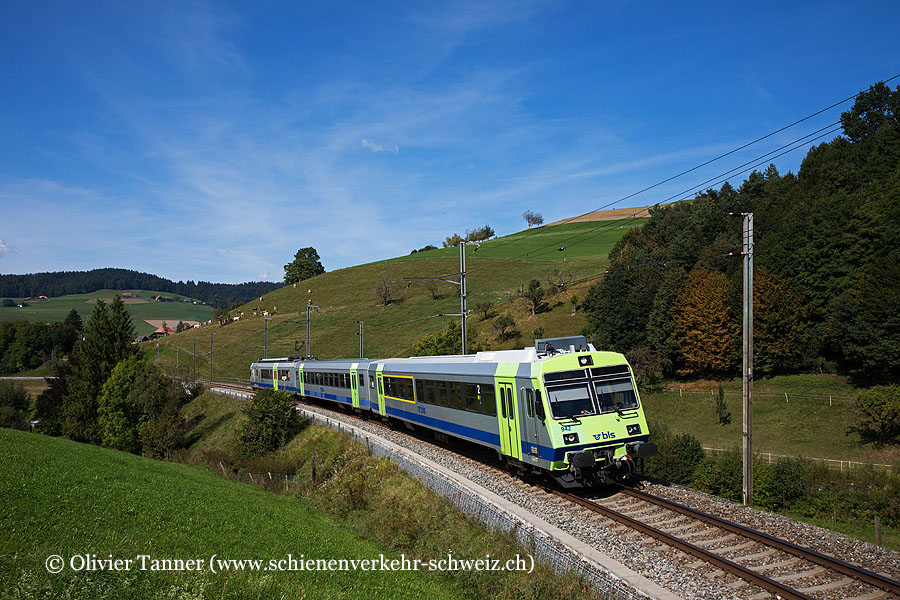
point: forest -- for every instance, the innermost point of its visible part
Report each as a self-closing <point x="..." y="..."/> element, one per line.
<point x="827" y="267"/>
<point x="61" y="283"/>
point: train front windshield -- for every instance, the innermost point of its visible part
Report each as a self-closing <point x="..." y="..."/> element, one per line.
<point x="570" y="401"/>
<point x="581" y="393"/>
<point x="616" y="394"/>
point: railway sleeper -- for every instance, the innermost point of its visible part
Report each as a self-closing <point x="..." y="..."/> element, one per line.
<point x="749" y="557"/>
<point x="800" y="574"/>
<point x="712" y="542"/>
<point x="831" y="585"/>
<point x="784" y="563"/>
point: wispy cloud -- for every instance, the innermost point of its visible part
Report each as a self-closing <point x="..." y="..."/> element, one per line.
<point x="4" y="248"/>
<point x="393" y="148"/>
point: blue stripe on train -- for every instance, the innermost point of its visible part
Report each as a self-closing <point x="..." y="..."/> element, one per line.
<point x="453" y="428"/>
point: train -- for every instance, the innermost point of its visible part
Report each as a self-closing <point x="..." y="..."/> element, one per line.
<point x="560" y="409"/>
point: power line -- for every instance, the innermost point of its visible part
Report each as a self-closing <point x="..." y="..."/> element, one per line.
<point x="722" y="178"/>
<point x="712" y="160"/>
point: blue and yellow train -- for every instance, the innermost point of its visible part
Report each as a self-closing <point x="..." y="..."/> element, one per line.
<point x="559" y="408"/>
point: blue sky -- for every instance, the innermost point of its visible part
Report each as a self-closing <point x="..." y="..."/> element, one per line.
<point x="210" y="141"/>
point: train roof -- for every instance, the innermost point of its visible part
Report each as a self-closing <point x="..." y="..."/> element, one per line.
<point x="543" y="349"/>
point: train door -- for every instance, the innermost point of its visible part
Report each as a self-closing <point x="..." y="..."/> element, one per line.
<point x="379" y="390"/>
<point x="354" y="385"/>
<point x="510" y="443"/>
<point x="362" y="388"/>
<point x="532" y="423"/>
<point x="301" y="383"/>
<point x="275" y="377"/>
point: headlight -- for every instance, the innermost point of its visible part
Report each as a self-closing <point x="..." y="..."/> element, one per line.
<point x="633" y="429"/>
<point x="570" y="438"/>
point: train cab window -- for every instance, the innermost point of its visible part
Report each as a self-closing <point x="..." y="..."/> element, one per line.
<point x="529" y="395"/>
<point x="538" y="405"/>
<point x="472" y="397"/>
<point x="572" y="400"/>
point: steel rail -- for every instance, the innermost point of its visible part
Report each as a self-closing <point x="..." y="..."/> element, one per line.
<point x="723" y="563"/>
<point x="829" y="562"/>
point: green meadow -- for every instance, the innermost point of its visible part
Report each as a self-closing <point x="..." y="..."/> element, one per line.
<point x="68" y="499"/>
<point x="142" y="307"/>
<point x="794" y="415"/>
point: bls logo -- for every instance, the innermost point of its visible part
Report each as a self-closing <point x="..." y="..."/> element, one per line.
<point x="606" y="435"/>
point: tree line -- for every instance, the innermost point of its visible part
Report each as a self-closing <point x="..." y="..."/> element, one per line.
<point x="826" y="256"/>
<point x="62" y="283"/>
<point x="25" y="345"/>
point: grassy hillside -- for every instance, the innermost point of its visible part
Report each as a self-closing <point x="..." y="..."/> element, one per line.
<point x="140" y="308"/>
<point x="495" y="273"/>
<point x="816" y="419"/>
<point x="64" y="498"/>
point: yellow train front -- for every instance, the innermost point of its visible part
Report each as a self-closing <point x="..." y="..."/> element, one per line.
<point x="591" y="425"/>
<point x="559" y="408"/>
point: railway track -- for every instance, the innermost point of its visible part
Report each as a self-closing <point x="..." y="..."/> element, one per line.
<point x="739" y="550"/>
<point x="773" y="566"/>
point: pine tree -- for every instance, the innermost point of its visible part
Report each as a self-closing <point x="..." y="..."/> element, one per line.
<point x="107" y="340"/>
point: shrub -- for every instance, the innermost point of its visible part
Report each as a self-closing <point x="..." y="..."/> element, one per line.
<point x="878" y="413"/>
<point x="721" y="475"/>
<point x="678" y="455"/>
<point x="13" y="395"/>
<point x="271" y="422"/>
<point x="12" y="418"/>
<point x="780" y="484"/>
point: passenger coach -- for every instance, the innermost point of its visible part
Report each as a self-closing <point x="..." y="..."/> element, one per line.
<point x="560" y="408"/>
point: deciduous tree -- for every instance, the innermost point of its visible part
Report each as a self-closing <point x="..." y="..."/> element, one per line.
<point x="704" y="329"/>
<point x="534" y="295"/>
<point x="532" y="218"/>
<point x="306" y="264"/>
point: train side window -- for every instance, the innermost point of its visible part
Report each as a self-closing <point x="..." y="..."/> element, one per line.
<point x="529" y="394"/>
<point x="443" y="393"/>
<point x="488" y="400"/>
<point x="408" y="389"/>
<point x="471" y="397"/>
<point x="362" y="380"/>
<point x="371" y="382"/>
<point x="420" y="391"/>
<point x="456" y="395"/>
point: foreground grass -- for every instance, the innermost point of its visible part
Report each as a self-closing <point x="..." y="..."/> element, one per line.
<point x="64" y="498"/>
<point x="374" y="497"/>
